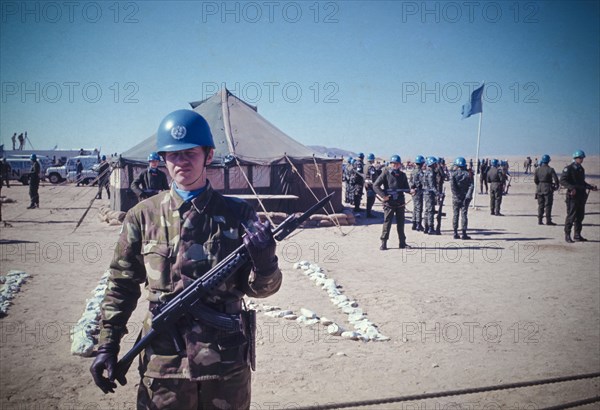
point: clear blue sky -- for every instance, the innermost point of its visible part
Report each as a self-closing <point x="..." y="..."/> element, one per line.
<point x="382" y="77"/>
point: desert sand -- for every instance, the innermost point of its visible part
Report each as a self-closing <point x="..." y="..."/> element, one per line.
<point x="515" y="303"/>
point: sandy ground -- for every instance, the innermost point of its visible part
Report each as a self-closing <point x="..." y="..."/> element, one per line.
<point x="515" y="303"/>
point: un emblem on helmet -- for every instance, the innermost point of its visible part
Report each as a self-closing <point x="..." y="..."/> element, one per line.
<point x="178" y="132"/>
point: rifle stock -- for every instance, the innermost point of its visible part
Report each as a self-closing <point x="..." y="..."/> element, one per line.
<point x="189" y="301"/>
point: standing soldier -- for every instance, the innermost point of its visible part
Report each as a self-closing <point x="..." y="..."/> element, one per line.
<point x="461" y="183"/>
<point x="496" y="178"/>
<point x="5" y="174"/>
<point x="34" y="182"/>
<point x="103" y="174"/>
<point x="573" y="179"/>
<point x="78" y="171"/>
<point x="483" y="176"/>
<point x="416" y="184"/>
<point x="14" y="141"/>
<point x="546" y="182"/>
<point x="441" y="175"/>
<point x="357" y="181"/>
<point x="390" y="186"/>
<point x="167" y="242"/>
<point x="372" y="174"/>
<point x="151" y="181"/>
<point x="430" y="194"/>
<point x="346" y="178"/>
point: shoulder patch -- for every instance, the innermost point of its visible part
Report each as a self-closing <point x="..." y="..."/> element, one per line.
<point x="566" y="169"/>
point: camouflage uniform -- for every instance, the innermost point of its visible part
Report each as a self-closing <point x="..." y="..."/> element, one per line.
<point x="166" y="243"/>
<point x="546" y="182"/>
<point x="461" y="183"/>
<point x="357" y="181"/>
<point x="372" y="174"/>
<point x="441" y="175"/>
<point x="416" y="183"/>
<point x="496" y="178"/>
<point x="573" y="179"/>
<point x="392" y="179"/>
<point x="430" y="194"/>
<point x="34" y="184"/>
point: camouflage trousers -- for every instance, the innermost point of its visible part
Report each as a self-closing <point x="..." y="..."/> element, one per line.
<point x="545" y="202"/>
<point x="429" y="209"/>
<point x="230" y="393"/>
<point x="460" y="210"/>
<point x="418" y="207"/>
<point x="388" y="218"/>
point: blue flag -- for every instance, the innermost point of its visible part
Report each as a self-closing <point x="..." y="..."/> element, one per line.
<point x="474" y="106"/>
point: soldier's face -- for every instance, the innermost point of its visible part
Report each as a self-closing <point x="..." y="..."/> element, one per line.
<point x="188" y="167"/>
<point x="154" y="164"/>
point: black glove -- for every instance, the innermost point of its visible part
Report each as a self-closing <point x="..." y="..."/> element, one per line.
<point x="106" y="359"/>
<point x="261" y="247"/>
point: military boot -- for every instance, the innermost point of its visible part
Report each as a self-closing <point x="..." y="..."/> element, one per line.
<point x="383" y="246"/>
<point x="549" y="222"/>
<point x="578" y="238"/>
<point x="431" y="231"/>
<point x="414" y="226"/>
<point x="426" y="229"/>
<point x="465" y="236"/>
<point x="568" y="238"/>
<point x="420" y="227"/>
<point x="403" y="245"/>
<point x="456" y="236"/>
<point x="540" y="220"/>
<point x="438" y="231"/>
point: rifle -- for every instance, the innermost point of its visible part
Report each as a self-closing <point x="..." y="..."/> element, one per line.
<point x="189" y="301"/>
<point x="508" y="185"/>
<point x="438" y="211"/>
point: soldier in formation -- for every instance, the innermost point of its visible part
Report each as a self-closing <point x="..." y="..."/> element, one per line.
<point x="546" y="182"/>
<point x="485" y="166"/>
<point x="391" y="186"/>
<point x="496" y="178"/>
<point x="430" y="194"/>
<point x="371" y="176"/>
<point x="416" y="184"/>
<point x="151" y="181"/>
<point x="165" y="243"/>
<point x="573" y="179"/>
<point x="461" y="183"/>
<point x="357" y="181"/>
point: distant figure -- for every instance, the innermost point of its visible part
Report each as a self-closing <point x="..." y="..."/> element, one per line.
<point x="536" y="163"/>
<point x="371" y="176"/>
<point x="496" y="178"/>
<point x="25" y="139"/>
<point x="5" y="172"/>
<point x="78" y="171"/>
<point x="14" y="140"/>
<point x="21" y="141"/>
<point x="103" y="174"/>
<point x="546" y="182"/>
<point x="151" y="181"/>
<point x="461" y="183"/>
<point x="527" y="165"/>
<point x="483" y="176"/>
<point x="34" y="182"/>
<point x="81" y="151"/>
<point x="416" y="183"/>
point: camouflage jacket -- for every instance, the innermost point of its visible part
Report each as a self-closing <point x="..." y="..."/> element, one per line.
<point x="461" y="183"/>
<point x="166" y="243"/>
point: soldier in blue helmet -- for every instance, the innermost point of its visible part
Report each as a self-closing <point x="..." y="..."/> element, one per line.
<point x="416" y="183"/>
<point x="34" y="182"/>
<point x="390" y="186"/>
<point x="371" y="175"/>
<point x="357" y="181"/>
<point x="430" y="194"/>
<point x="461" y="183"/>
<point x="103" y="177"/>
<point x="546" y="182"/>
<point x="573" y="179"/>
<point x="496" y="178"/>
<point x="166" y="242"/>
<point x="150" y="181"/>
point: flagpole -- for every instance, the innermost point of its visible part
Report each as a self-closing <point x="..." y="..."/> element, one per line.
<point x="477" y="162"/>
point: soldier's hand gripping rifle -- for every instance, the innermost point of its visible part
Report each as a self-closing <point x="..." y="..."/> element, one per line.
<point x="189" y="301"/>
<point x="438" y="211"/>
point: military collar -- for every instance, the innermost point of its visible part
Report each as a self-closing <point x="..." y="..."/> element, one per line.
<point x="199" y="202"/>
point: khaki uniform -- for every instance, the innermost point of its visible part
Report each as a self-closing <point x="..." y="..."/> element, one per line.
<point x="496" y="178"/>
<point x="165" y="244"/>
<point x="461" y="183"/>
<point x="573" y="179"/>
<point x="546" y="182"/>
<point x="388" y="180"/>
<point x="34" y="184"/>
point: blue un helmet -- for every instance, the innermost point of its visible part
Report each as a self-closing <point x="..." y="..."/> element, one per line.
<point x="495" y="162"/>
<point x="395" y="158"/>
<point x="361" y="155"/>
<point x="545" y="159"/>
<point x="371" y="157"/>
<point x="33" y="157"/>
<point x="153" y="157"/>
<point x="420" y="160"/>
<point x="579" y="154"/>
<point x="431" y="161"/>
<point x="460" y="162"/>
<point x="183" y="129"/>
<point x="103" y="158"/>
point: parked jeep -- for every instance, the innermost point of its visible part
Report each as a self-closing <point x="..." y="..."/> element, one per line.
<point x="57" y="175"/>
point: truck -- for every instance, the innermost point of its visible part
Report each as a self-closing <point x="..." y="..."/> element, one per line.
<point x="68" y="172"/>
<point x="20" y="165"/>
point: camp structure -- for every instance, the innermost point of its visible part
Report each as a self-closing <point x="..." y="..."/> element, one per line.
<point x="252" y="158"/>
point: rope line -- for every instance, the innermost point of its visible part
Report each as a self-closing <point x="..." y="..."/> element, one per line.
<point x="254" y="192"/>
<point x="572" y="404"/>
<point x="424" y="396"/>
<point x="335" y="218"/>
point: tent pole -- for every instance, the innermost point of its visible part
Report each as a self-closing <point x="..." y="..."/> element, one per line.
<point x="477" y="162"/>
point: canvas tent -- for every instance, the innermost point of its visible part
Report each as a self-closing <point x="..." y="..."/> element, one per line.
<point x="247" y="145"/>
